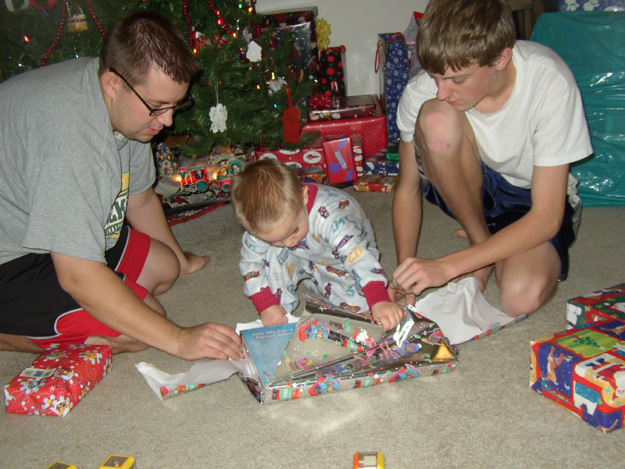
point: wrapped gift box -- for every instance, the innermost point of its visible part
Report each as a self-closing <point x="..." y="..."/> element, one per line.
<point x="594" y="5"/>
<point x="372" y="129"/>
<point x="339" y="159"/>
<point x="314" y="157"/>
<point x="313" y="175"/>
<point x="376" y="183"/>
<point x="57" y="380"/>
<point x="301" y="24"/>
<point x="332" y="349"/>
<point x="332" y="76"/>
<point x="583" y="370"/>
<point x="296" y="159"/>
<point x="342" y="108"/>
<point x="394" y="64"/>
<point x="381" y="165"/>
<point x="599" y="305"/>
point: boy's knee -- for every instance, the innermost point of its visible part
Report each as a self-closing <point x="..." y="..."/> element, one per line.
<point x="524" y="297"/>
<point x="439" y="129"/>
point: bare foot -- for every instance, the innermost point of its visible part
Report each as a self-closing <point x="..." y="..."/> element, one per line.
<point x="460" y="233"/>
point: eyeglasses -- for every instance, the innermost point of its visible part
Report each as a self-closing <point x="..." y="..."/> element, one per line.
<point x="161" y="110"/>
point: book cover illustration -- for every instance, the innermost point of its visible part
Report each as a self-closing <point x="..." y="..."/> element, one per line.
<point x="264" y="347"/>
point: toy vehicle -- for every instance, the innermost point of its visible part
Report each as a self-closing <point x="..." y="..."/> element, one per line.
<point x="121" y="462"/>
<point x="61" y="465"/>
<point x="369" y="460"/>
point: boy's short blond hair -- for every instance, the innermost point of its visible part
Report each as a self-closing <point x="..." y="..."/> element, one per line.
<point x="458" y="33"/>
<point x="263" y="193"/>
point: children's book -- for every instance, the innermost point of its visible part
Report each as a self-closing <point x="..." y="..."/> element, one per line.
<point x="264" y="348"/>
<point x="331" y="349"/>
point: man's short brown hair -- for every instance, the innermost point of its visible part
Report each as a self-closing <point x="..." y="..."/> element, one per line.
<point x="263" y="193"/>
<point x="142" y="40"/>
<point x="459" y="33"/>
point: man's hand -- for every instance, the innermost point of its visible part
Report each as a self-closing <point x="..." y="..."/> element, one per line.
<point x="210" y="340"/>
<point x="387" y="314"/>
<point x="273" y="316"/>
<point x="193" y="263"/>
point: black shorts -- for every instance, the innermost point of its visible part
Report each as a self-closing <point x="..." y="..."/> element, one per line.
<point x="32" y="303"/>
<point x="504" y="204"/>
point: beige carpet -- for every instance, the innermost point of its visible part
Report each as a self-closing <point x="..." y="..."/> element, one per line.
<point x="483" y="414"/>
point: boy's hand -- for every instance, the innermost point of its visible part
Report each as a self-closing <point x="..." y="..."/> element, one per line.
<point x="273" y="316"/>
<point x="399" y="296"/>
<point x="387" y="314"/>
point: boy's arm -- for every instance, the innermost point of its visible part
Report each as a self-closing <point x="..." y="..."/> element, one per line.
<point x="145" y="214"/>
<point x="100" y="292"/>
<point x="541" y="223"/>
<point x="252" y="268"/>
<point x="407" y="200"/>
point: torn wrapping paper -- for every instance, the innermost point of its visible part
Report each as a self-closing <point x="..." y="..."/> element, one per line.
<point x="459" y="310"/>
<point x="333" y="349"/>
<point x="202" y="373"/>
<point x="462" y="312"/>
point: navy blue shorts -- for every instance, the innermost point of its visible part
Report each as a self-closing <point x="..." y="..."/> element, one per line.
<point x="504" y="204"/>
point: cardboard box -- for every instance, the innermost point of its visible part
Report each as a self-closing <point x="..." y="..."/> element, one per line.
<point x="331" y="349"/>
<point x="583" y="370"/>
<point x="57" y="380"/>
<point x="601" y="304"/>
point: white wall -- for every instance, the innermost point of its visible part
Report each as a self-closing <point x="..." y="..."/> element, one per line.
<point x="356" y="24"/>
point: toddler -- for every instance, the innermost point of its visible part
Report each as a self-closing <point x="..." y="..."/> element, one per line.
<point x="308" y="232"/>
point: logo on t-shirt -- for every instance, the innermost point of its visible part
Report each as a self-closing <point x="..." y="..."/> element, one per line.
<point x="116" y="218"/>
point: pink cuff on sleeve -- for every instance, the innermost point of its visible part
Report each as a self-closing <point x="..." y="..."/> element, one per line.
<point x="264" y="299"/>
<point x="375" y="292"/>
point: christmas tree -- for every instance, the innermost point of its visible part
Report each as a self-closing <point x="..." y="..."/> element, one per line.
<point x="246" y="94"/>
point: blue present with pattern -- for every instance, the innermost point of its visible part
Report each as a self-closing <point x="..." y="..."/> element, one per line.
<point x="394" y="62"/>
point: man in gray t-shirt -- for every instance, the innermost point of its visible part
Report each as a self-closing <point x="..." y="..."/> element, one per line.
<point x="84" y="243"/>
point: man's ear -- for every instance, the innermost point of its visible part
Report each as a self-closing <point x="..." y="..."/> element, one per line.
<point x="504" y="59"/>
<point x="111" y="83"/>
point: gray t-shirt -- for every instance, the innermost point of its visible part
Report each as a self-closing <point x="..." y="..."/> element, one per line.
<point x="65" y="176"/>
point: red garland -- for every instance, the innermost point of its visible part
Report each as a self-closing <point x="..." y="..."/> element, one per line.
<point x="58" y="34"/>
<point x="185" y="13"/>
<point x="95" y="19"/>
<point x="51" y="5"/>
<point x="257" y="29"/>
<point x="220" y="20"/>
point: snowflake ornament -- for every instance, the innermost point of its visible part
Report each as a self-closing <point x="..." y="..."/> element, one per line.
<point x="218" y="115"/>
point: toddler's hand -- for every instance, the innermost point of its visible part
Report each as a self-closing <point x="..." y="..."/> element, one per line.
<point x="387" y="314"/>
<point x="273" y="316"/>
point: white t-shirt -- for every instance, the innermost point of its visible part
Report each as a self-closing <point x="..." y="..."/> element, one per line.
<point x="542" y="123"/>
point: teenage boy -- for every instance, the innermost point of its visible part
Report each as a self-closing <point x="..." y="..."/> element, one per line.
<point x="488" y="130"/>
